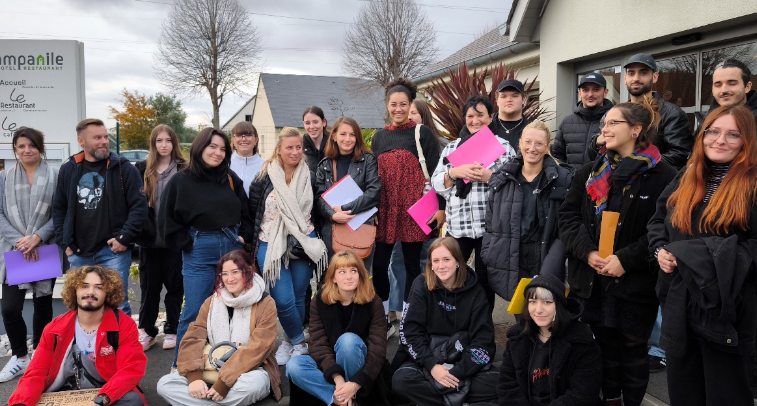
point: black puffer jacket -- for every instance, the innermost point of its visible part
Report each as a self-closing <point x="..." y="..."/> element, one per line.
<point x="260" y="188"/>
<point x="579" y="232"/>
<point x="575" y="366"/>
<point x="575" y="133"/>
<point x="501" y="241"/>
<point x="445" y="312"/>
<point x="674" y="138"/>
<point x="363" y="171"/>
<point x="751" y="104"/>
<point x="313" y="156"/>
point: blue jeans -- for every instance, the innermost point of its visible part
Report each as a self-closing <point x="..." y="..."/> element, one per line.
<point x="303" y="371"/>
<point x="198" y="271"/>
<point x="397" y="274"/>
<point x="289" y="293"/>
<point x="120" y="263"/>
<point x="654" y="339"/>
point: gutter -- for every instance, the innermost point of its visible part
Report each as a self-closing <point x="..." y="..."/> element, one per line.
<point x="491" y="57"/>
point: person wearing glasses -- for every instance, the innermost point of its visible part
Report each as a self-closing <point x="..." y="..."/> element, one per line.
<point x="521" y="236"/>
<point x="245" y="160"/>
<point x="704" y="233"/>
<point x="618" y="290"/>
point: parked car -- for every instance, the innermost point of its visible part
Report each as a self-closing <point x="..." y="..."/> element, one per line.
<point x="135" y="155"/>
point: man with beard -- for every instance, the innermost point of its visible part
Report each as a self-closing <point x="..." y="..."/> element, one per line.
<point x="576" y="130"/>
<point x="731" y="86"/>
<point x="99" y="207"/>
<point x="508" y="122"/>
<point x="674" y="139"/>
<point x="94" y="345"/>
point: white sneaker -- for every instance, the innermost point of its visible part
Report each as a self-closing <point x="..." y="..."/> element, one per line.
<point x="284" y="353"/>
<point x="15" y="367"/>
<point x="300" y="349"/>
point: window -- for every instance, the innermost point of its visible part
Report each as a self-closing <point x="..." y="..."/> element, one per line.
<point x="746" y="53"/>
<point x="677" y="83"/>
<point x="248" y="117"/>
<point x="612" y="76"/>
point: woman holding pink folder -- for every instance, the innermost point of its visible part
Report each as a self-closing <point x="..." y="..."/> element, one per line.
<point x="346" y="154"/>
<point x="466" y="202"/>
<point x="26" y="195"/>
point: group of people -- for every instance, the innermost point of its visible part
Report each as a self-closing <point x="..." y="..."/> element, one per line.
<point x="239" y="238"/>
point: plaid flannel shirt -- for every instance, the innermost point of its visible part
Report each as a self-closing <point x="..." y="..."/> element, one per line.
<point x="466" y="217"/>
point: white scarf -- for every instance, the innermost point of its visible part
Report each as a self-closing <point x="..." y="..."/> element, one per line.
<point x="294" y="201"/>
<point x="236" y="330"/>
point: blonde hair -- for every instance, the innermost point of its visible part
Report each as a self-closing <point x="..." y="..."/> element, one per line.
<point x="347" y="259"/>
<point x="286" y="132"/>
<point x="539" y="125"/>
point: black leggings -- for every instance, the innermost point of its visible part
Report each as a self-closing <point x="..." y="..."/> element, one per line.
<point x="469" y="246"/>
<point x="160" y="267"/>
<point x="625" y="364"/>
<point x="410" y="383"/>
<point x="13" y="319"/>
<point x="412" y="254"/>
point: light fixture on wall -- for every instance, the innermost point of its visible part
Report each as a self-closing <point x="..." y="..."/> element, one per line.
<point x="687" y="39"/>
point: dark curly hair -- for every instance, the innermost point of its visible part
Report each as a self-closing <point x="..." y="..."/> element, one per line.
<point x="243" y="261"/>
<point x="401" y="85"/>
<point x="111" y="280"/>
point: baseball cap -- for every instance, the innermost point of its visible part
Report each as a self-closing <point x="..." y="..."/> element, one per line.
<point x="644" y="59"/>
<point x="511" y="83"/>
<point x="593" y="77"/>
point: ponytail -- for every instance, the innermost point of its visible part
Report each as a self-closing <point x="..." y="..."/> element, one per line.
<point x="645" y="113"/>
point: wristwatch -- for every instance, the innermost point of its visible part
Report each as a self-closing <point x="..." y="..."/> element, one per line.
<point x="102" y="400"/>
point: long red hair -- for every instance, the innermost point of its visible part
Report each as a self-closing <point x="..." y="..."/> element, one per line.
<point x="730" y="206"/>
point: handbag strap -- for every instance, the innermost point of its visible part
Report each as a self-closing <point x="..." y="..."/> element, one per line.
<point x="421" y="157"/>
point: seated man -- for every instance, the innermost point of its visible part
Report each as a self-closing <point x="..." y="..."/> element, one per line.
<point x="94" y="345"/>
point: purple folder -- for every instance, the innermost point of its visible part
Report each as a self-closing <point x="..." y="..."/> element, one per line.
<point x="20" y="270"/>
<point x="425" y="208"/>
<point x="483" y="147"/>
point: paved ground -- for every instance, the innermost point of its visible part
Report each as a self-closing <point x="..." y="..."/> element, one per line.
<point x="159" y="362"/>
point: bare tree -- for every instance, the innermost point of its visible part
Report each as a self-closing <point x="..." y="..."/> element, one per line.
<point x="338" y="105"/>
<point x="389" y="39"/>
<point x="208" y="46"/>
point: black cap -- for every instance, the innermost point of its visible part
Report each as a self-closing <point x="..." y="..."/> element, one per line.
<point x="593" y="77"/>
<point x="644" y="59"/>
<point x="511" y="83"/>
<point x="552" y="284"/>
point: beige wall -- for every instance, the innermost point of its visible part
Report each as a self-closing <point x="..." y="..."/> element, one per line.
<point x="262" y="119"/>
<point x="623" y="28"/>
<point x="239" y="117"/>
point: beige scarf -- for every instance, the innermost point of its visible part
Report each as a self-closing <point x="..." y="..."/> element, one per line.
<point x="294" y="202"/>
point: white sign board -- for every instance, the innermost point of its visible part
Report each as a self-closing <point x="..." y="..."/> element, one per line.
<point x="41" y="86"/>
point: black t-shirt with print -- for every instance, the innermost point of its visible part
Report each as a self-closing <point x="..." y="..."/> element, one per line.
<point x="539" y="373"/>
<point x="91" y="221"/>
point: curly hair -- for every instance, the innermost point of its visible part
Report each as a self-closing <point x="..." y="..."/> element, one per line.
<point x="111" y="280"/>
<point x="401" y="85"/>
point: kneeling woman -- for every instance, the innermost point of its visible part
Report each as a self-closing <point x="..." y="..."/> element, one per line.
<point x="447" y="309"/>
<point x="347" y="336"/>
<point x="239" y="311"/>
<point x="551" y="357"/>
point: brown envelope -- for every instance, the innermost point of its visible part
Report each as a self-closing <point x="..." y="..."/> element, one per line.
<point x="607" y="233"/>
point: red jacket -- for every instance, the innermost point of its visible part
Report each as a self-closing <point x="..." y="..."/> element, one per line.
<point x="122" y="370"/>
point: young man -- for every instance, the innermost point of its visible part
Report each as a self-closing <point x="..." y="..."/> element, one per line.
<point x="98" y="208"/>
<point x="508" y="122"/>
<point x="576" y="130"/>
<point x="94" y="345"/>
<point x="731" y="86"/>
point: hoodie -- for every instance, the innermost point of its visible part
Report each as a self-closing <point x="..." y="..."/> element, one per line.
<point x="246" y="168"/>
<point x="445" y="312"/>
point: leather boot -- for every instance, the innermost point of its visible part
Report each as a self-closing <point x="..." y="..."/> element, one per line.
<point x="614" y="402"/>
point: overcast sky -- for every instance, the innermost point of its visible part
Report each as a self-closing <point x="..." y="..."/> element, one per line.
<point x="120" y="37"/>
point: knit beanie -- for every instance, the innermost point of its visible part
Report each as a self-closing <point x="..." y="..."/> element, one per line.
<point x="552" y="284"/>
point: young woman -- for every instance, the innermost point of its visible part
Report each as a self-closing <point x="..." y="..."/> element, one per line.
<point x="705" y="229"/>
<point x="466" y="202"/>
<point x="245" y="161"/>
<point x="204" y="214"/>
<point x="158" y="265"/>
<point x="520" y="243"/>
<point x="550" y="357"/>
<point x="316" y="137"/>
<point x="346" y="152"/>
<point x="445" y="303"/>
<point x="420" y="113"/>
<point x="281" y="199"/>
<point x="347" y="337"/>
<point x="402" y="184"/>
<point x="240" y="312"/>
<point x="618" y="291"/>
<point x="26" y="223"/>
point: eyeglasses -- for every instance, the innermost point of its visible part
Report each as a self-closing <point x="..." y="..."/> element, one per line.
<point x="240" y="136"/>
<point x="610" y="124"/>
<point x="402" y="104"/>
<point x="713" y="134"/>
<point x="234" y="272"/>
<point x="538" y="145"/>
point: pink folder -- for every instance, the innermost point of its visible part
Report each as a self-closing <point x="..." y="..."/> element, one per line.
<point x="483" y="147"/>
<point x="424" y="209"/>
